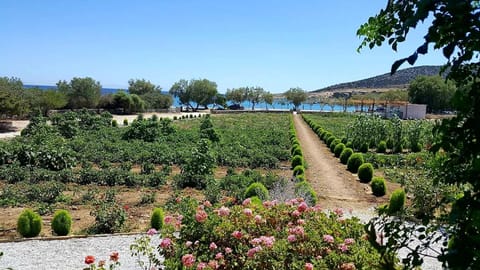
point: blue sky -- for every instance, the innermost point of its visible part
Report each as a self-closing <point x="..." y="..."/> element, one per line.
<point x="275" y="44"/>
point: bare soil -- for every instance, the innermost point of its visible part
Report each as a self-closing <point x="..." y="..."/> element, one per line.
<point x="336" y="187"/>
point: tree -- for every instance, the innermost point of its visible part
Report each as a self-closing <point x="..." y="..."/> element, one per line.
<point x="141" y="87"/>
<point x="433" y="91"/>
<point x="194" y="92"/>
<point x="236" y="95"/>
<point x="268" y="99"/>
<point x="12" y="101"/>
<point x="296" y="96"/>
<point x="81" y="92"/>
<point x="157" y="100"/>
<point x="45" y="100"/>
<point x="255" y="95"/>
<point x="454" y="29"/>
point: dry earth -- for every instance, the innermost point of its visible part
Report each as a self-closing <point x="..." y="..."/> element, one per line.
<point x="335" y="186"/>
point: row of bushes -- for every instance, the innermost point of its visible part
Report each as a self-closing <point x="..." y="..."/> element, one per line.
<point x="355" y="161"/>
<point x="303" y="189"/>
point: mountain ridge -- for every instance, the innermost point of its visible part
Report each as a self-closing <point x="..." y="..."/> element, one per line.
<point x="399" y="80"/>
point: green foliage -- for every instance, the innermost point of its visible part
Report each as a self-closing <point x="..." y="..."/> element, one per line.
<point x="125" y="122"/>
<point x="338" y="149"/>
<point x="81" y="92"/>
<point x="365" y="172"/>
<point x="382" y="147"/>
<point x="397" y="201"/>
<point x="354" y="162"/>
<point x="198" y="167"/>
<point x="148" y="130"/>
<point x="298" y="170"/>
<point x="61" y="222"/>
<point x="296" y="96"/>
<point x="304" y="190"/>
<point x="109" y="215"/>
<point x="345" y="155"/>
<point x="363" y="148"/>
<point x="29" y="223"/>
<point x="257" y="189"/>
<point x="433" y="91"/>
<point x="156" y="220"/>
<point x="207" y="131"/>
<point x="201" y="92"/>
<point x="330" y="139"/>
<point x="333" y="144"/>
<point x="12" y="101"/>
<point x="379" y="188"/>
<point x="147" y="198"/>
<point x="114" y="123"/>
<point x="296" y="161"/>
<point x="296" y="150"/>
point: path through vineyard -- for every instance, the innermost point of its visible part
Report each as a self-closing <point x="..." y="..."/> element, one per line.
<point x="335" y="186"/>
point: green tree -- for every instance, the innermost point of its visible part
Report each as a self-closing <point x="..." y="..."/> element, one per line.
<point x="236" y="95"/>
<point x="268" y="99"/>
<point x="45" y="100"/>
<point x="12" y="101"/>
<point x="194" y="92"/>
<point x="81" y="92"/>
<point x="123" y="100"/>
<point x="255" y="95"/>
<point x="157" y="100"/>
<point x="296" y="96"/>
<point x="141" y="87"/>
<point x="455" y="30"/>
<point x="433" y="91"/>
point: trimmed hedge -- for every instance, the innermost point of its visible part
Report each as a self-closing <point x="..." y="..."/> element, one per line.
<point x="338" y="149"/>
<point x="29" y="223"/>
<point x="397" y="201"/>
<point x="354" y="162"/>
<point x="379" y="188"/>
<point x="156" y="220"/>
<point x="61" y="222"/>
<point x="365" y="172"/>
<point x="382" y="147"/>
<point x="257" y="189"/>
<point x="333" y="144"/>
<point x="345" y="155"/>
<point x="297" y="160"/>
<point x="298" y="170"/>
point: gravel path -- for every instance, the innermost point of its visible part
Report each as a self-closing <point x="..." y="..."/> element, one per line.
<point x="66" y="254"/>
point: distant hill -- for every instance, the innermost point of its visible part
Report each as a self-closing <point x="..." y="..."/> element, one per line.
<point x="398" y="80"/>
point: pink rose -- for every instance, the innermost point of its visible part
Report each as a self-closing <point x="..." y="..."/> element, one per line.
<point x="248" y="212"/>
<point x="166" y="243"/>
<point x="228" y="250"/>
<point x="237" y="234"/>
<point x="188" y="260"/>
<point x="168" y="219"/>
<point x="343" y="247"/>
<point x="258" y="219"/>
<point x="338" y="211"/>
<point x="301" y="222"/>
<point x="291" y="238"/>
<point x="218" y="256"/>
<point x="349" y="241"/>
<point x="188" y="244"/>
<point x="212" y="246"/>
<point x="302" y="207"/>
<point x="223" y="211"/>
<point x="308" y="266"/>
<point x="246" y="202"/>
<point x="207" y="204"/>
<point x="328" y="238"/>
<point x="213" y="264"/>
<point x="201" y="216"/>
<point x="152" y="232"/>
<point x="296" y="213"/>
<point x="201" y="266"/>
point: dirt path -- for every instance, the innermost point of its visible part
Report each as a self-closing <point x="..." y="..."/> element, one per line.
<point x="335" y="186"/>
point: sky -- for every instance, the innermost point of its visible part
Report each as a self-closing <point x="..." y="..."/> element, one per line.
<point x="274" y="44"/>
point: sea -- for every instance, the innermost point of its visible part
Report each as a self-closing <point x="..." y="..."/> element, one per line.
<point x="279" y="104"/>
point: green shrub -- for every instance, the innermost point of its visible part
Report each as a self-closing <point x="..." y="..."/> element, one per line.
<point x="29" y="223"/>
<point x="297" y="160"/>
<point x="364" y="148"/>
<point x="61" y="222"/>
<point x="326" y="136"/>
<point x="417" y="147"/>
<point x="156" y="220"/>
<point x="333" y="144"/>
<point x="114" y="123"/>
<point x="304" y="190"/>
<point x="300" y="178"/>
<point x="397" y="201"/>
<point x="125" y="122"/>
<point x="255" y="200"/>
<point x="298" y="170"/>
<point x="378" y="186"/>
<point x="344" y="140"/>
<point x="257" y="189"/>
<point x="365" y="172"/>
<point x="175" y="118"/>
<point x="354" y="161"/>
<point x="349" y="145"/>
<point x="398" y="148"/>
<point x="297" y="151"/>
<point x="346" y="153"/>
<point x="338" y="149"/>
<point x="110" y="216"/>
<point x="390" y="143"/>
<point x="382" y="147"/>
<point x="330" y="140"/>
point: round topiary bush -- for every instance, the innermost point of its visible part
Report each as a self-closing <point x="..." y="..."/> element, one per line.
<point x="382" y="147"/>
<point x="345" y="155"/>
<point x="354" y="162"/>
<point x="29" y="223"/>
<point x="257" y="189"/>
<point x="379" y="188"/>
<point x="256" y="201"/>
<point x="304" y="190"/>
<point x="349" y="145"/>
<point x="365" y="172"/>
<point x="363" y="148"/>
<point x="156" y="220"/>
<point x="326" y="135"/>
<point x="297" y="160"/>
<point x="330" y="140"/>
<point x="333" y="144"/>
<point x="114" y="123"/>
<point x="300" y="178"/>
<point x="61" y="222"/>
<point x="338" y="149"/>
<point x="297" y="151"/>
<point x="125" y="122"/>
<point x="298" y="170"/>
<point x="416" y="147"/>
<point x="397" y="201"/>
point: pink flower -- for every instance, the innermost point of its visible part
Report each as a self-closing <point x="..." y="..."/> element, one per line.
<point x="267" y="204"/>
<point x="201" y="266"/>
<point x="218" y="256"/>
<point x="291" y="238"/>
<point x="328" y="238"/>
<point x="246" y="202"/>
<point x="296" y="213"/>
<point x="343" y="247"/>
<point x="213" y="264"/>
<point x="237" y="234"/>
<point x="308" y="266"/>
<point x="256" y="241"/>
<point x="338" y="211"/>
<point x="152" y="232"/>
<point x="168" y="219"/>
<point x="317" y="208"/>
<point x="179" y="218"/>
<point x="297" y="230"/>
<point x="166" y="243"/>
<point x="188" y="260"/>
<point x="268" y="240"/>
<point x="302" y="207"/>
<point x="301" y="222"/>
<point x="349" y="241"/>
<point x="207" y="204"/>
<point x="223" y="211"/>
<point x="251" y="252"/>
<point x="248" y="212"/>
<point x="228" y="250"/>
<point x="201" y="216"/>
<point x="213" y="246"/>
<point x="188" y="244"/>
<point x="258" y="219"/>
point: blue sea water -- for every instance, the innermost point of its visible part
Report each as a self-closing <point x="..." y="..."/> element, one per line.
<point x="277" y="105"/>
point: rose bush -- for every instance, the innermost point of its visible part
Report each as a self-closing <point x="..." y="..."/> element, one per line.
<point x="274" y="235"/>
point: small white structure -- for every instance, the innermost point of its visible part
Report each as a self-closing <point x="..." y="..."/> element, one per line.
<point x="407" y="111"/>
